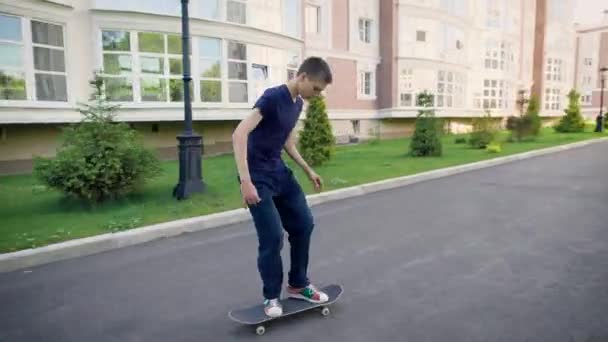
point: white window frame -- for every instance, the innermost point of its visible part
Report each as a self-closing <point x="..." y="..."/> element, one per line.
<point x="552" y="99"/>
<point x="553" y="70"/>
<point x="450" y="89"/>
<point x="24" y="51"/>
<point x="495" y="95"/>
<point x="365" y="30"/>
<point x="229" y="60"/>
<point x="29" y="71"/>
<point x="406" y="87"/>
<point x="244" y="3"/>
<point x="223" y="70"/>
<point x="361" y="81"/>
<point x="317" y="11"/>
<point x="133" y="76"/>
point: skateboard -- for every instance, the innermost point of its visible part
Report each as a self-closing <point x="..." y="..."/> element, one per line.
<point x="254" y="315"/>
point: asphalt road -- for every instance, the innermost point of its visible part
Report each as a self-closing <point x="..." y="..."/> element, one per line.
<point x="512" y="253"/>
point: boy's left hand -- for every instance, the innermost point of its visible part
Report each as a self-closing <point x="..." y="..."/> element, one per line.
<point x="316" y="180"/>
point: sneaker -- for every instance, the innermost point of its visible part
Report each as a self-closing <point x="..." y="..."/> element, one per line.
<point x="309" y="293"/>
<point x="273" y="308"/>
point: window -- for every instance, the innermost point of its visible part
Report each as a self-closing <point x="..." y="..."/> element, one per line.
<point x="211" y="71"/>
<point x="117" y="65"/>
<point x="552" y="99"/>
<point x="494" y="10"/>
<point x="588" y="62"/>
<point x="49" y="62"/>
<point x="366" y="84"/>
<point x="365" y="28"/>
<point x="499" y="56"/>
<point x="292" y="65"/>
<point x="236" y="11"/>
<point x="12" y="65"/>
<point x="554" y="69"/>
<point x="209" y="9"/>
<point x="421" y="36"/>
<point x="313" y="19"/>
<point x="291" y="17"/>
<point x="406" y="91"/>
<point x="455" y="7"/>
<point x="450" y="89"/>
<point x="237" y="72"/>
<point x="452" y="38"/>
<point x="495" y="95"/>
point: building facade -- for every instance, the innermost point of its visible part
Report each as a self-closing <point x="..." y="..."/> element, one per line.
<point x="473" y="55"/>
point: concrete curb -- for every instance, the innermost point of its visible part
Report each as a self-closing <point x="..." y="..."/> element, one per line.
<point x="101" y="243"/>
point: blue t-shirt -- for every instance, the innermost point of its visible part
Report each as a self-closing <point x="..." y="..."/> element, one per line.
<point x="280" y="114"/>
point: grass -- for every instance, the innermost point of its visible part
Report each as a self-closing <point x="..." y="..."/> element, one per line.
<point x="34" y="216"/>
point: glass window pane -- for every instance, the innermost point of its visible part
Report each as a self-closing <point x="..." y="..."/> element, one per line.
<point x="151" y="42"/>
<point x="211" y="91"/>
<point x="237" y="92"/>
<point x="119" y="89"/>
<point x="153" y="89"/>
<point x="48" y="34"/>
<point x="116" y="40"/>
<point x="209" y="10"/>
<point x="12" y="85"/>
<point x="174" y="45"/>
<point x="11" y="55"/>
<point x="237" y="71"/>
<point x="175" y="66"/>
<point x="237" y="51"/>
<point x="210" y="69"/>
<point x="10" y="28"/>
<point x="51" y="87"/>
<point x="49" y="59"/>
<point x="176" y="90"/>
<point x="260" y="72"/>
<point x="117" y="64"/>
<point x="210" y="47"/>
<point x="236" y="12"/>
<point x="152" y="65"/>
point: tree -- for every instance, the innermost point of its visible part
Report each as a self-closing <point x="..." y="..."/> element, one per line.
<point x="316" y="139"/>
<point x="426" y="141"/>
<point x="99" y="159"/>
<point x="484" y="131"/>
<point x="527" y="125"/>
<point x="573" y="121"/>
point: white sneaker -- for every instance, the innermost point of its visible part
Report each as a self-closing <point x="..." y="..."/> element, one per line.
<point x="273" y="308"/>
<point x="309" y="293"/>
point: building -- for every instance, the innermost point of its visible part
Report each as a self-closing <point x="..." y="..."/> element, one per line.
<point x="474" y="55"/>
<point x="591" y="56"/>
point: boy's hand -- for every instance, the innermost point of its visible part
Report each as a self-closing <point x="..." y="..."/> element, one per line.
<point x="249" y="193"/>
<point x="316" y="180"/>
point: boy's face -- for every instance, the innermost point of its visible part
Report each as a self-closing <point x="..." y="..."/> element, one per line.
<point x="310" y="87"/>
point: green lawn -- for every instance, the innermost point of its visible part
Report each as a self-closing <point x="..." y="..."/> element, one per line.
<point x="34" y="216"/>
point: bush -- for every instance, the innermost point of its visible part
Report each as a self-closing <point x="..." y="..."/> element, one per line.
<point x="526" y="126"/>
<point x="494" y="148"/>
<point x="484" y="131"/>
<point x="99" y="159"/>
<point x="426" y="140"/>
<point x="316" y="139"/>
<point x="460" y="140"/>
<point x="573" y="121"/>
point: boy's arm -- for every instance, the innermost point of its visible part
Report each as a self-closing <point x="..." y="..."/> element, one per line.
<point x="292" y="151"/>
<point x="239" y="142"/>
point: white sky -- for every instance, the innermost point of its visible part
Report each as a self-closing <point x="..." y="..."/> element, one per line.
<point x="589" y="12"/>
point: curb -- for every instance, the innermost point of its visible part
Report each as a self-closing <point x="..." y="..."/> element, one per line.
<point x="106" y="242"/>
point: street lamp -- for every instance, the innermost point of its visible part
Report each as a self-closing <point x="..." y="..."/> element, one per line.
<point x="600" y="117"/>
<point x="190" y="143"/>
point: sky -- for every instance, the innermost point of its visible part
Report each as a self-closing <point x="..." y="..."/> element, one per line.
<point x="589" y="12"/>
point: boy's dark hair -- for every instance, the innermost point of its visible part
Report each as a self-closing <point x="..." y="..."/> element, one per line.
<point x="317" y="69"/>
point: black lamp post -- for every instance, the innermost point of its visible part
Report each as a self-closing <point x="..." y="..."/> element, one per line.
<point x="600" y="117"/>
<point x="190" y="143"/>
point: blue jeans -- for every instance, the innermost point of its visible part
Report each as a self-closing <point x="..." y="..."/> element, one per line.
<point x="283" y="206"/>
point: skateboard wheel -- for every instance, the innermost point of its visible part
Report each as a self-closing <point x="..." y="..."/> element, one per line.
<point x="260" y="330"/>
<point x="325" y="312"/>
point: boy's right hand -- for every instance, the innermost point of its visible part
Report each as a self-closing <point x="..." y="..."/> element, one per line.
<point x="249" y="193"/>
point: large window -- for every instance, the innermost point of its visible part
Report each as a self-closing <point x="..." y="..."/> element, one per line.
<point x="495" y="95"/>
<point x="554" y="69"/>
<point x="237" y="72"/>
<point x="494" y="13"/>
<point x="450" y="89"/>
<point x="499" y="55"/>
<point x="291" y="17"/>
<point x="210" y="50"/>
<point x="117" y="65"/>
<point x="46" y="68"/>
<point x="12" y="65"/>
<point x="406" y="88"/>
<point x="365" y="30"/>
<point x="552" y="99"/>
<point x="210" y="9"/>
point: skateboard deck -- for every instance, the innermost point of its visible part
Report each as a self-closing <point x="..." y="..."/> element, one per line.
<point x="254" y="315"/>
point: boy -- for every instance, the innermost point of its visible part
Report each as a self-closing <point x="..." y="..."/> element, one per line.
<point x="270" y="190"/>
